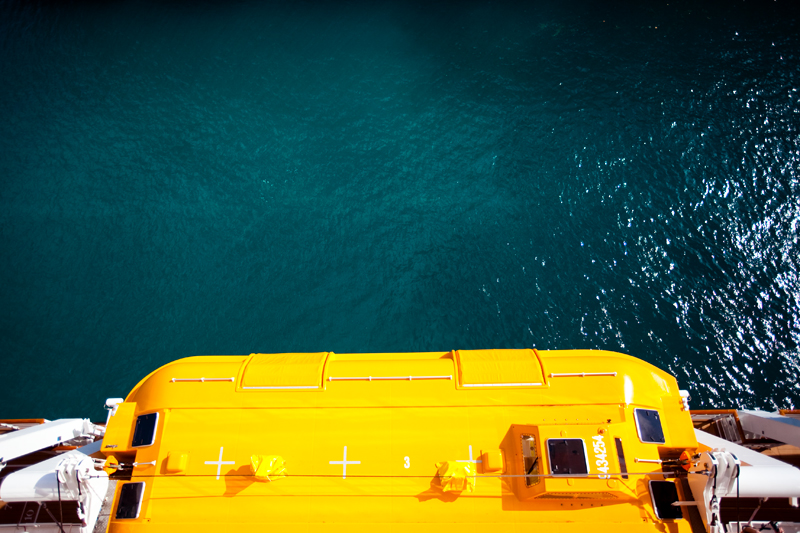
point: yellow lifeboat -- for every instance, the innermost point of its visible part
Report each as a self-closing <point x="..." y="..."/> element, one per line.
<point x="484" y="440"/>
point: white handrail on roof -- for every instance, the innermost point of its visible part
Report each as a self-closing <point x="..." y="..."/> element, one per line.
<point x="582" y="374"/>
<point x="202" y="380"/>
<point x="501" y="385"/>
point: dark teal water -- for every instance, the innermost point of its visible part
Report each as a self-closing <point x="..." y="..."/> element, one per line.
<point x="186" y="178"/>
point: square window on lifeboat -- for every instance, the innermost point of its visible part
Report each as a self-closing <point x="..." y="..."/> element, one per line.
<point x="567" y="457"/>
<point x="648" y="425"/>
<point x="144" y="434"/>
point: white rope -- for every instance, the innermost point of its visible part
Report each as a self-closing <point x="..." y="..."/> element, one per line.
<point x="553" y="476"/>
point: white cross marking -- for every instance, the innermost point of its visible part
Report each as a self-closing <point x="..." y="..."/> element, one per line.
<point x="220" y="462"/>
<point x="470" y="460"/>
<point x="344" y="462"/>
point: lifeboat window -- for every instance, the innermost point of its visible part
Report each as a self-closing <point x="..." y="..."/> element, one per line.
<point x="663" y="495"/>
<point x="567" y="456"/>
<point x="530" y="460"/>
<point x="648" y="424"/>
<point x="623" y="466"/>
<point x="130" y="500"/>
<point x="144" y="434"/>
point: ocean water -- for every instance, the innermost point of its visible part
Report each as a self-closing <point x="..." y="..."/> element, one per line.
<point x="184" y="178"/>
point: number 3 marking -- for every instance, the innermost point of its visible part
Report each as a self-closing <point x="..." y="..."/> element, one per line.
<point x="406" y="462"/>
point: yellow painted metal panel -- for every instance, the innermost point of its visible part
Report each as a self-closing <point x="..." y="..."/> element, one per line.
<point x="284" y="370"/>
<point x="497" y="367"/>
<point x="120" y="429"/>
<point x="346" y="369"/>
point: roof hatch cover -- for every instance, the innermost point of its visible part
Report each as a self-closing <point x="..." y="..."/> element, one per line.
<point x="284" y="371"/>
<point x="499" y="368"/>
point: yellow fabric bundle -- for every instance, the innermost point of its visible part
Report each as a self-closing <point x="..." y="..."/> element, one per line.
<point x="455" y="476"/>
<point x="268" y="467"/>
